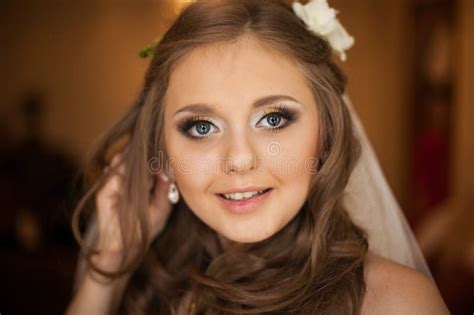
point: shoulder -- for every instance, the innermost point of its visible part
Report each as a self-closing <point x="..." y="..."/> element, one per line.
<point x="392" y="288"/>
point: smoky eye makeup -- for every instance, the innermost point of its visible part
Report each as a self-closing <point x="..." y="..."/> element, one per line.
<point x="274" y="118"/>
<point x="201" y="122"/>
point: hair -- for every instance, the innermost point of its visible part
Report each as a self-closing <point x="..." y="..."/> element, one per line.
<point x="315" y="264"/>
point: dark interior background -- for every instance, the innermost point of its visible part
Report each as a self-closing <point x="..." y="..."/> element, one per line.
<point x="69" y="70"/>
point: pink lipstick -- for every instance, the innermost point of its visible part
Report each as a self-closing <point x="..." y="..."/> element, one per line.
<point x="244" y="206"/>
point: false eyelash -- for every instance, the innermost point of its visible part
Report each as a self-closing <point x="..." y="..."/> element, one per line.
<point x="190" y="122"/>
<point x="284" y="111"/>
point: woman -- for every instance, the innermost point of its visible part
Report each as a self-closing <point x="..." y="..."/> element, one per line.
<point x="240" y="96"/>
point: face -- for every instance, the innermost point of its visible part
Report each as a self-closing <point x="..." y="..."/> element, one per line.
<point x="239" y="117"/>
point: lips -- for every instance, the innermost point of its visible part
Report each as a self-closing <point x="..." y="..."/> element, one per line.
<point x="245" y="206"/>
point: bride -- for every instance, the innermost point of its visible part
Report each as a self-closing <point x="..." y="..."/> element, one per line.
<point x="241" y="181"/>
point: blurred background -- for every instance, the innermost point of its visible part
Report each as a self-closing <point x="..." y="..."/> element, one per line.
<point x="71" y="69"/>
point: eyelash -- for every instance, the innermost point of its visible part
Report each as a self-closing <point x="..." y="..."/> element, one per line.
<point x="279" y="109"/>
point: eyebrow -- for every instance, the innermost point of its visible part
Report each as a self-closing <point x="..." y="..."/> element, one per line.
<point x="206" y="109"/>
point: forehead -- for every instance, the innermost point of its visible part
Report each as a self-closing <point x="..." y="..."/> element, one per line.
<point x="234" y="73"/>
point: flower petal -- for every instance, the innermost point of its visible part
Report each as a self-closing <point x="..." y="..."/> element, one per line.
<point x="300" y="11"/>
<point x="321" y="19"/>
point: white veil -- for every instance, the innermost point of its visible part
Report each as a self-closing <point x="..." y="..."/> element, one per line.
<point x="372" y="205"/>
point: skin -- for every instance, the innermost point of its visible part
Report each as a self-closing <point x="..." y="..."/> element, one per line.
<point x="396" y="289"/>
<point x="230" y="77"/>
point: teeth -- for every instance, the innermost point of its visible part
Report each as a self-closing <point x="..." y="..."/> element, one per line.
<point x="243" y="196"/>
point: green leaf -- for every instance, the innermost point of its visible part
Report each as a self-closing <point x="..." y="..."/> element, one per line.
<point x="148" y="50"/>
<point x="145" y="52"/>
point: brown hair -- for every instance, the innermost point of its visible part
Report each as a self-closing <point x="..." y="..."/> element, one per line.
<point x="314" y="264"/>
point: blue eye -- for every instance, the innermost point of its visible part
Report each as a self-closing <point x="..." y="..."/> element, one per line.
<point x="273" y="119"/>
<point x="199" y="128"/>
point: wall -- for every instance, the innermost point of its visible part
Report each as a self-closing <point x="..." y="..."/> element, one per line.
<point x="463" y="150"/>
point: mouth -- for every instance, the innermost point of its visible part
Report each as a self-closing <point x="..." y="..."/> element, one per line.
<point x="244" y="203"/>
<point x="244" y="196"/>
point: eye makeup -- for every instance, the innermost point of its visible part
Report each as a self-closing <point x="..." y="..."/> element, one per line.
<point x="189" y="122"/>
<point x="204" y="124"/>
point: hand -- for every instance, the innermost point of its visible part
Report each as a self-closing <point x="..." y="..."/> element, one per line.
<point x="107" y="202"/>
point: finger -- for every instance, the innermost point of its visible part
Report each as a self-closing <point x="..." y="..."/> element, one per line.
<point x="114" y="183"/>
<point x="159" y="207"/>
<point x="156" y="180"/>
<point x="116" y="158"/>
<point x="108" y="200"/>
<point x="108" y="197"/>
<point x="159" y="196"/>
<point x="108" y="207"/>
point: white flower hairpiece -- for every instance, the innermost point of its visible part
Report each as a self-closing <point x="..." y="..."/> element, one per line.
<point x="321" y="19"/>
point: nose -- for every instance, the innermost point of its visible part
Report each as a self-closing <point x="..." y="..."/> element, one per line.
<point x="240" y="155"/>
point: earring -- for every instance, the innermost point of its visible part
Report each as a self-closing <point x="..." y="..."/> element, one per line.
<point x="173" y="194"/>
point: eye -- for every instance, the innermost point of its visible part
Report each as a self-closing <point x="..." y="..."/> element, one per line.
<point x="196" y="128"/>
<point x="274" y="118"/>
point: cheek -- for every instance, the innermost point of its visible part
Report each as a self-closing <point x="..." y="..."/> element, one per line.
<point x="293" y="196"/>
<point x="294" y="157"/>
<point x="194" y="173"/>
<point x="193" y="186"/>
<point x="294" y="166"/>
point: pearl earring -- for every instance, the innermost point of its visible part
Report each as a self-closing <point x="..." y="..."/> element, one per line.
<point x="173" y="194"/>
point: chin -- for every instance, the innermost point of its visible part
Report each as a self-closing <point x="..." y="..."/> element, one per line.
<point x="247" y="235"/>
<point x="248" y="238"/>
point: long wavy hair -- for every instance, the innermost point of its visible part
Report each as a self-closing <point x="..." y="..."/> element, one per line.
<point x="314" y="265"/>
